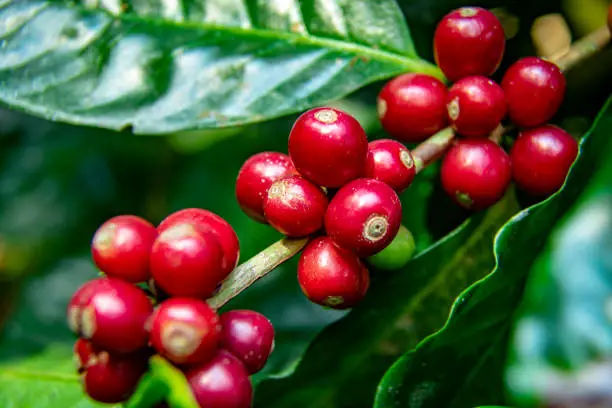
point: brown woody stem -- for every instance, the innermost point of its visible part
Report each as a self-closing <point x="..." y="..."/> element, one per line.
<point x="256" y="268"/>
<point x="424" y="154"/>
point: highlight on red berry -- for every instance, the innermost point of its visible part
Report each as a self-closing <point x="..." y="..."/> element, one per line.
<point x="186" y="261"/>
<point x="295" y="207"/>
<point x="412" y="107"/>
<point x="476" y="106"/>
<point x="476" y="173"/>
<point x="534" y="90"/>
<point x="469" y="41"/>
<point x="249" y="336"/>
<point x="255" y="178"/>
<point x="541" y="159"/>
<point x="328" y="147"/>
<point x="111" y="313"/>
<point x="121" y="246"/>
<point x="364" y="216"/>
<point x="209" y="222"/>
<point x="391" y="162"/>
<point x="222" y="382"/>
<point x="331" y="276"/>
<point x="185" y="330"/>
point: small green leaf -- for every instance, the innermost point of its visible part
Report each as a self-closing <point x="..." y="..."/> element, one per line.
<point x="163" y="382"/>
<point x="561" y="350"/>
<point x="343" y="363"/>
<point x="461" y="364"/>
<point x="47" y="380"/>
<point x="167" y="66"/>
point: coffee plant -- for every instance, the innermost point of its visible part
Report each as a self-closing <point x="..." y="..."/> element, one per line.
<point x="315" y="203"/>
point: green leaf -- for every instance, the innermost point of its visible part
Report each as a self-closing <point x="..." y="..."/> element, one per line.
<point x="46" y="380"/>
<point x="461" y="364"/>
<point x="163" y="382"/>
<point x="341" y="366"/>
<point x="166" y="66"/>
<point x="562" y="342"/>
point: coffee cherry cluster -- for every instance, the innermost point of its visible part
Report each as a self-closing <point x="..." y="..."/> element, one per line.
<point x="120" y="324"/>
<point x="340" y="190"/>
<point x="469" y="44"/>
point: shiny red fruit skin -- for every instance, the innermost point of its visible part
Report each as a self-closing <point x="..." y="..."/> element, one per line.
<point x="328" y="147"/>
<point x="534" y="91"/>
<point x="476" y="106"/>
<point x="476" y="173"/>
<point x="111" y="313"/>
<point x="112" y="378"/>
<point x="332" y="276"/>
<point x="121" y="246"/>
<point x="83" y="351"/>
<point x="185" y="330"/>
<point x="469" y="41"/>
<point x="249" y="336"/>
<point x="255" y="177"/>
<point x="211" y="222"/>
<point x="412" y="107"/>
<point x="186" y="261"/>
<point x="223" y="382"/>
<point x="364" y="216"/>
<point x="295" y="207"/>
<point x="541" y="159"/>
<point x="391" y="162"/>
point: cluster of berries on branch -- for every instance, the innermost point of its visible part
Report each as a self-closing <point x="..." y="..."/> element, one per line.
<point x="337" y="188"/>
<point x="121" y="324"/>
<point x="469" y="44"/>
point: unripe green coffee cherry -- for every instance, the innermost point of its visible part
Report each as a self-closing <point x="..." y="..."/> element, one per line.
<point x="397" y="253"/>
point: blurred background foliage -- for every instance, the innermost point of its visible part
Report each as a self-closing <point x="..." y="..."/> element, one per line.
<point x="58" y="183"/>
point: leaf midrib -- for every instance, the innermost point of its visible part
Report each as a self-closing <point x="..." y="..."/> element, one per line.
<point x="38" y="376"/>
<point x="411" y="62"/>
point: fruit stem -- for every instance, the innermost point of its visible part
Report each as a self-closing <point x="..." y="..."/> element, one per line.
<point x="584" y="48"/>
<point x="433" y="148"/>
<point x="256" y="268"/>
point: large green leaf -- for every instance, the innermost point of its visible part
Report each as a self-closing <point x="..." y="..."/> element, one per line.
<point x="562" y="343"/>
<point x="161" y="66"/>
<point x="462" y="364"/>
<point x="342" y="365"/>
<point x="46" y="380"/>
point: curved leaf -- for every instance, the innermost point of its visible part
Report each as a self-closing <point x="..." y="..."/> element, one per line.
<point x="165" y="66"/>
<point x="461" y="364"/>
<point x="341" y="366"/>
<point x="562" y="342"/>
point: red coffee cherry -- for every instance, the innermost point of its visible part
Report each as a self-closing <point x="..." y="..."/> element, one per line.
<point x="83" y="351"/>
<point x="610" y="18"/>
<point x="211" y="222"/>
<point x="469" y="41"/>
<point x="111" y="313"/>
<point x="332" y="276"/>
<point x="412" y="107"/>
<point x="186" y="261"/>
<point x="328" y="147"/>
<point x="295" y="207"/>
<point x="541" y="158"/>
<point x="534" y="91"/>
<point x="121" y="246"/>
<point x="112" y="378"/>
<point x="364" y="216"/>
<point x="249" y="336"/>
<point x="185" y="330"/>
<point x="476" y="106"/>
<point x="255" y="177"/>
<point x="390" y="162"/>
<point x="476" y="173"/>
<point x="223" y="382"/>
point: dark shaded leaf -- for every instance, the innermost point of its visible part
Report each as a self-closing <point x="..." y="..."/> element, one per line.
<point x="461" y="364"/>
<point x="165" y="66"/>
